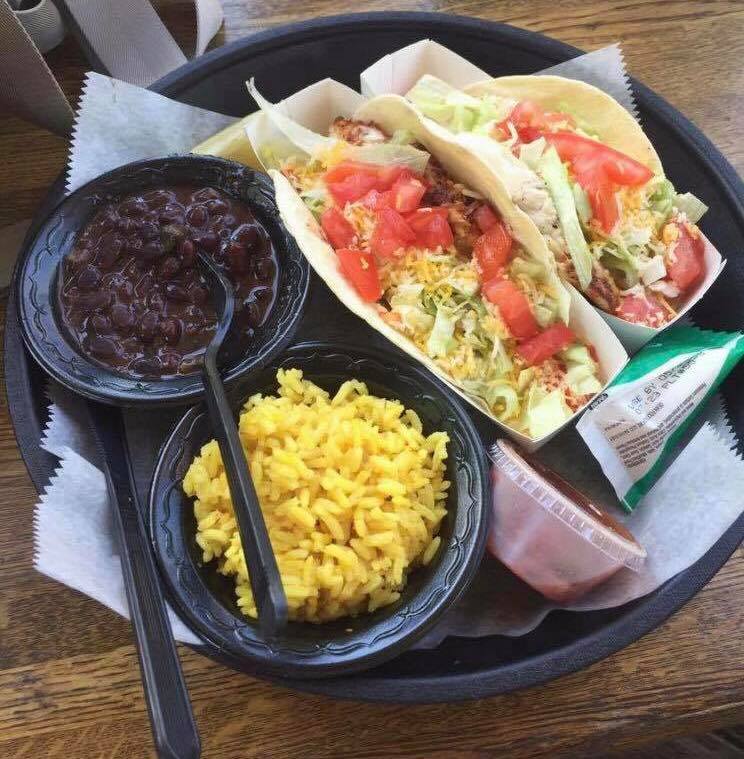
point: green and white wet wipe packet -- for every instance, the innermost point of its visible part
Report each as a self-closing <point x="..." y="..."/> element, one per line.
<point x="634" y="428"/>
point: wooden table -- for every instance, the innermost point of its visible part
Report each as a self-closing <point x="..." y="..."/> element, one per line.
<point x="69" y="681"/>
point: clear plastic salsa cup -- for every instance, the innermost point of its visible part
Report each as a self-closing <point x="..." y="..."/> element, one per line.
<point x="550" y="534"/>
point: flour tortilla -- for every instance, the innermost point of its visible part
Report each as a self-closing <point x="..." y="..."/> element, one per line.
<point x="613" y="125"/>
<point x="393" y="113"/>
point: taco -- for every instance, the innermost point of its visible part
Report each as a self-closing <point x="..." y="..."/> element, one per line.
<point x="413" y="235"/>
<point x="579" y="165"/>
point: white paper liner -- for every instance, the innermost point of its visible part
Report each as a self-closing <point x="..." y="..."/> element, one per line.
<point x="117" y="123"/>
<point x="329" y="99"/>
<point x="74" y="539"/>
<point x="498" y="602"/>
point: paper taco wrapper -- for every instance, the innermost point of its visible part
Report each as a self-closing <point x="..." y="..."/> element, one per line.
<point x="635" y="336"/>
<point x="396" y="73"/>
<point x="334" y="99"/>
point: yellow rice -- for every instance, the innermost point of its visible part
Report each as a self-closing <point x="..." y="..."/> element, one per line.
<point x="352" y="490"/>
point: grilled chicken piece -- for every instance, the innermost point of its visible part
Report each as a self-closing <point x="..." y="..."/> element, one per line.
<point x="357" y="132"/>
<point x="602" y="290"/>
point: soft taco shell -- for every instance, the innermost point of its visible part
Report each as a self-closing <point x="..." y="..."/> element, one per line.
<point x="473" y="168"/>
<point x="614" y="125"/>
<point x="391" y="113"/>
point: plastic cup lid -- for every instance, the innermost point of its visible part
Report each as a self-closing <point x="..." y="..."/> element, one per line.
<point x="563" y="501"/>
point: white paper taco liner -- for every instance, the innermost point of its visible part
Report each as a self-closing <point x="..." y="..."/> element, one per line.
<point x="635" y="336"/>
<point x="396" y="73"/>
<point x="330" y="99"/>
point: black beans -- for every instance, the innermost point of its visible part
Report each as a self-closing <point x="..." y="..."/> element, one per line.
<point x="133" y="294"/>
<point x="148" y="326"/>
<point x="102" y="347"/>
<point x="88" y="277"/>
<point x="122" y="316"/>
<point x="171" y="213"/>
<point x="133" y="208"/>
<point x="169" y="268"/>
<point x="208" y="241"/>
<point x="197" y="216"/>
<point x="170" y="329"/>
<point x="177" y="293"/>
<point x="247" y="235"/>
<point x="187" y="251"/>
<point x="152" y="250"/>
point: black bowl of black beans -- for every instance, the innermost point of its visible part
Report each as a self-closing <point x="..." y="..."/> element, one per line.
<point x="113" y="303"/>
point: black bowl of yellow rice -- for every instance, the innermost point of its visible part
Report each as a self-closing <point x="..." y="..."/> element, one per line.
<point x="351" y="452"/>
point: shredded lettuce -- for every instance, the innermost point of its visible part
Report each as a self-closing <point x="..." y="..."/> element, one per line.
<point x="581" y="201"/>
<point x="441" y="339"/>
<point x="406" y="294"/>
<point x="403" y="137"/>
<point x="662" y="198"/>
<point x="577" y="354"/>
<point x="614" y="255"/>
<point x="652" y="270"/>
<point x="494" y="392"/>
<point x="582" y="380"/>
<point x="454" y="109"/>
<point x="501" y="364"/>
<point x="692" y="207"/>
<point x="532" y="269"/>
<point x="315" y="199"/>
<point x="389" y="154"/>
<point x="633" y="236"/>
<point x="531" y="152"/>
<point x="555" y="175"/>
<point x="545" y="316"/>
<point x="545" y="412"/>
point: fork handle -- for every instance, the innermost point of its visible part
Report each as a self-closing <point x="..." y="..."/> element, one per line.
<point x="266" y="584"/>
<point x="174" y="730"/>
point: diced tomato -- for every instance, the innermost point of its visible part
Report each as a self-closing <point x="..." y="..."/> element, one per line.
<point x="388" y="175"/>
<point x="598" y="169"/>
<point x="431" y="227"/>
<point x="485" y="217"/>
<point x="360" y="269"/>
<point x="685" y="264"/>
<point x="338" y="229"/>
<point x="345" y="169"/>
<point x="492" y="251"/>
<point x="619" y="168"/>
<point x="391" y="233"/>
<point x="639" y="310"/>
<point x="376" y="200"/>
<point x="513" y="306"/>
<point x="602" y="198"/>
<point x="407" y="193"/>
<point x="349" y="181"/>
<point x="529" y="119"/>
<point x="352" y="188"/>
<point x="541" y="347"/>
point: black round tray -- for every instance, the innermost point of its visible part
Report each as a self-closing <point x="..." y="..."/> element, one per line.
<point x="288" y="58"/>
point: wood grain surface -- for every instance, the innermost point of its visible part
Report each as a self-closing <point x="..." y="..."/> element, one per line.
<point x="69" y="681"/>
